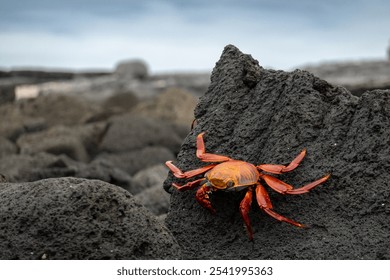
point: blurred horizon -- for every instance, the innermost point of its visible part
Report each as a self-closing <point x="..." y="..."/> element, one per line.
<point x="187" y="36"/>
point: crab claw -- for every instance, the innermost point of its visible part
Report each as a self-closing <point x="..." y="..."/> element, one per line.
<point x="202" y="196"/>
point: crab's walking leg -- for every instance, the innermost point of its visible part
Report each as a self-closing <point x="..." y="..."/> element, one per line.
<point x="206" y="157"/>
<point x="279" y="169"/>
<point x="245" y="206"/>
<point x="284" y="188"/>
<point x="189" y="185"/>
<point x="265" y="204"/>
<point x="202" y="196"/>
<point x="188" y="174"/>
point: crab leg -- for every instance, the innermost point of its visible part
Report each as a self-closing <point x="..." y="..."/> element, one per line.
<point x="245" y="206"/>
<point x="188" y="174"/>
<point x="284" y="188"/>
<point x="202" y="196"/>
<point x="207" y="157"/>
<point x="189" y="185"/>
<point x="265" y="204"/>
<point x="279" y="169"/>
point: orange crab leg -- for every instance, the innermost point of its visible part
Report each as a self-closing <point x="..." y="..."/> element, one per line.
<point x="202" y="196"/>
<point x="265" y="204"/>
<point x="189" y="185"/>
<point x="284" y="188"/>
<point x="279" y="169"/>
<point x="245" y="206"/>
<point x="188" y="174"/>
<point x="207" y="157"/>
<point x="309" y="186"/>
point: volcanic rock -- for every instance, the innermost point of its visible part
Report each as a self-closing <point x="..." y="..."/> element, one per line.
<point x="132" y="69"/>
<point x="7" y="93"/>
<point x="155" y="199"/>
<point x="77" y="142"/>
<point x="14" y="122"/>
<point x="134" y="161"/>
<point x="123" y="101"/>
<point x="58" y="109"/>
<point x="356" y="76"/>
<point x="127" y="133"/>
<point x="265" y="116"/>
<point x="151" y="176"/>
<point x="27" y="168"/>
<point x="7" y="147"/>
<point x="71" y="218"/>
<point x="174" y="105"/>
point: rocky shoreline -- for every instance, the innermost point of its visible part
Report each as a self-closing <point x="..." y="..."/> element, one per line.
<point x="83" y="171"/>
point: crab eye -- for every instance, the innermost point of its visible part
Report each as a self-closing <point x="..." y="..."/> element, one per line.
<point x="230" y="184"/>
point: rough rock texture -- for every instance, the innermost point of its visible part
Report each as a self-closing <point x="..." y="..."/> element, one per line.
<point x="266" y="116"/>
<point x="70" y="218"/>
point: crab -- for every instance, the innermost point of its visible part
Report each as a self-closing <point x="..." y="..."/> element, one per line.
<point x="227" y="174"/>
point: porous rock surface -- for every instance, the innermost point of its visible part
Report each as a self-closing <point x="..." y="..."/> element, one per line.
<point x="266" y="116"/>
<point x="69" y="218"/>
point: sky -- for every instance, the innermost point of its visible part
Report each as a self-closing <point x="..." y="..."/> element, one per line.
<point x="189" y="35"/>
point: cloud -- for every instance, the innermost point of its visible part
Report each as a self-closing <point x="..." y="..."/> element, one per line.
<point x="190" y="35"/>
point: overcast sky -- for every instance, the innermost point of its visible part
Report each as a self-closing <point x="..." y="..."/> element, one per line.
<point x="172" y="35"/>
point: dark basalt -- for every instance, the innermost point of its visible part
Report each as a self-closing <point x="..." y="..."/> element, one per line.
<point x="266" y="116"/>
<point x="71" y="218"/>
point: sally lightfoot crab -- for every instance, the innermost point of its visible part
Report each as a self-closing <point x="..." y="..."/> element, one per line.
<point x="227" y="174"/>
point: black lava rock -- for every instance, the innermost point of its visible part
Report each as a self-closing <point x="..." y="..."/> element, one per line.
<point x="266" y="116"/>
<point x="71" y="218"/>
<point x="128" y="133"/>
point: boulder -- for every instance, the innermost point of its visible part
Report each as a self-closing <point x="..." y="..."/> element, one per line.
<point x="265" y="116"/>
<point x="155" y="199"/>
<point x="78" y="219"/>
<point x="132" y="69"/>
<point x="151" y="176"/>
<point x="27" y="168"/>
<point x="7" y="147"/>
<point x="54" y="141"/>
<point x="194" y="82"/>
<point x="7" y="93"/>
<point x="134" y="161"/>
<point x="14" y="122"/>
<point x="174" y="105"/>
<point x="128" y="132"/>
<point x="105" y="172"/>
<point x="123" y="101"/>
<point x="32" y="115"/>
<point x="58" y="109"/>
<point x="78" y="142"/>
